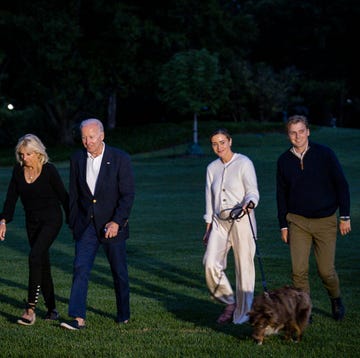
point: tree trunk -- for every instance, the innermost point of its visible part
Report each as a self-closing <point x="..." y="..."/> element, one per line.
<point x="194" y="148"/>
<point x="195" y="129"/>
<point x="111" y="121"/>
<point x="60" y="121"/>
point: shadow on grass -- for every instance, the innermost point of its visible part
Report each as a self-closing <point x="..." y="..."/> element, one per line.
<point x="181" y="290"/>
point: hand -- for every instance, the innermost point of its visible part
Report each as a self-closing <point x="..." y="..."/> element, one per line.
<point x="111" y="230"/>
<point x="285" y="235"/>
<point x="248" y="207"/>
<point x="206" y="238"/>
<point x="344" y="227"/>
<point x="2" y="231"/>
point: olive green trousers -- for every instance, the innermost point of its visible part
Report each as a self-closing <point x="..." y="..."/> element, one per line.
<point x="306" y="234"/>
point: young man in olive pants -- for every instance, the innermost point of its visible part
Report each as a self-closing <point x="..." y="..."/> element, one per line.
<point x="311" y="188"/>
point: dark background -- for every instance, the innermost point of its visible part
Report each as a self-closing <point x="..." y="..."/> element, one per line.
<point x="129" y="63"/>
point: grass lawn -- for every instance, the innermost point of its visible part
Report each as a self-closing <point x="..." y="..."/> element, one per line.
<point x="172" y="313"/>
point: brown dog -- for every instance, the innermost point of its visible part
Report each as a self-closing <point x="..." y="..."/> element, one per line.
<point x="286" y="309"/>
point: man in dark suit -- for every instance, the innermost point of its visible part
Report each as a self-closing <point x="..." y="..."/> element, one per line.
<point x="101" y="197"/>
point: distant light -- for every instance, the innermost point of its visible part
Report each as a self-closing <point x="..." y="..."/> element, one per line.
<point x="348" y="101"/>
<point x="10" y="107"/>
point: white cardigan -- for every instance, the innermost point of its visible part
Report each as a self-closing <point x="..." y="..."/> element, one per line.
<point x="229" y="184"/>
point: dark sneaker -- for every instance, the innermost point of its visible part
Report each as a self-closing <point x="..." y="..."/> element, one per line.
<point x="52" y="315"/>
<point x="338" y="309"/>
<point x="72" y="325"/>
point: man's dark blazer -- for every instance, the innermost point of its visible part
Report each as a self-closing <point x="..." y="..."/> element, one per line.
<point x="113" y="198"/>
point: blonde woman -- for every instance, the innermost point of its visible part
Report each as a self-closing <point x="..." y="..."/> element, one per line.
<point x="42" y="193"/>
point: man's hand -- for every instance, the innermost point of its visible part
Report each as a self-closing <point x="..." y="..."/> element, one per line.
<point x="344" y="227"/>
<point x="285" y="235"/>
<point x="111" y="229"/>
<point x="2" y="230"/>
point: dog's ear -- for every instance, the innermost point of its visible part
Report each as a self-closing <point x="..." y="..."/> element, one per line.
<point x="267" y="296"/>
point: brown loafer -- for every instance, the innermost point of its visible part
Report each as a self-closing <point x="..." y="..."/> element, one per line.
<point x="227" y="315"/>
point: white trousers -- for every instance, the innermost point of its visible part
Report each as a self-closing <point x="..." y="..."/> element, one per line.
<point x="238" y="236"/>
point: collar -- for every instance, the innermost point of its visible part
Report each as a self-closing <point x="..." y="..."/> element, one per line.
<point x="100" y="155"/>
<point x="300" y="155"/>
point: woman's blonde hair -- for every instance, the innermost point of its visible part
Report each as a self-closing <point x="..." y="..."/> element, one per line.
<point x="32" y="143"/>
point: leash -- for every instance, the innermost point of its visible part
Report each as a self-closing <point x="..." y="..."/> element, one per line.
<point x="236" y="213"/>
<point x="257" y="248"/>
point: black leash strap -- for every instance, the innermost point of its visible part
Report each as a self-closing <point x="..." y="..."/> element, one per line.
<point x="251" y="206"/>
<point x="236" y="213"/>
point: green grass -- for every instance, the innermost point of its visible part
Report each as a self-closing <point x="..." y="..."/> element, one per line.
<point x="172" y="313"/>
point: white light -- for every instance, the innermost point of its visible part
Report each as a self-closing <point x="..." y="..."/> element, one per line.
<point x="10" y="107"/>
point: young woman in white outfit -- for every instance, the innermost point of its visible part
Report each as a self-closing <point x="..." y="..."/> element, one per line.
<point x="230" y="181"/>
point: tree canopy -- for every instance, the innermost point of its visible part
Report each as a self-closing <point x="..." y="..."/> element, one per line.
<point x="192" y="82"/>
<point x="120" y="60"/>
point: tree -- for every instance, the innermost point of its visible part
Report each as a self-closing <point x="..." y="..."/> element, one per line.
<point x="193" y="82"/>
<point x="270" y="91"/>
<point x="43" y="66"/>
<point x="326" y="101"/>
<point x="62" y="59"/>
<point x="80" y="58"/>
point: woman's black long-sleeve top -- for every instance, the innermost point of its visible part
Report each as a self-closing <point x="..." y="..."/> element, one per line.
<point x="41" y="199"/>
